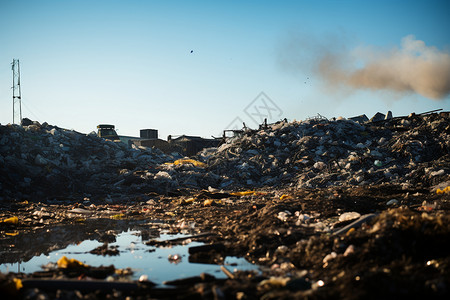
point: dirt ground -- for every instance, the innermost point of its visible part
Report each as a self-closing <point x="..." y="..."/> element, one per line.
<point x="310" y="244"/>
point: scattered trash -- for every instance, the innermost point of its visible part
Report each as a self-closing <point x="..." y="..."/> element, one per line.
<point x="12" y="220"/>
<point x="350" y="250"/>
<point x="246" y="193"/>
<point x="348" y="216"/>
<point x="283" y="215"/>
<point x="444" y="191"/>
<point x="318" y="284"/>
<point x="190" y="161"/>
<point x="392" y="202"/>
<point x="355" y="224"/>
<point x="284" y="196"/>
<point x="66" y="263"/>
<point x="314" y="153"/>
<point x="370" y="201"/>
<point x="328" y="258"/>
<point x="174" y="258"/>
<point x="208" y="202"/>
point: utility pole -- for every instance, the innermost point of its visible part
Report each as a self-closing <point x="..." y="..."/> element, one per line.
<point x="17" y="97"/>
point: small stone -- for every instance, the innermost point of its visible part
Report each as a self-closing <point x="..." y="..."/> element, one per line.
<point x="349" y="216"/>
<point x="392" y="202"/>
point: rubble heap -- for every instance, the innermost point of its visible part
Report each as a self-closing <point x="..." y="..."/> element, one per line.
<point x="45" y="161"/>
<point x="318" y="153"/>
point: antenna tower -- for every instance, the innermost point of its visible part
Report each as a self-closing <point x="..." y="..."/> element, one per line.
<point x="17" y="97"/>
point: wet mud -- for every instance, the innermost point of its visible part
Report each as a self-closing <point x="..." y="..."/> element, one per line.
<point x="304" y="248"/>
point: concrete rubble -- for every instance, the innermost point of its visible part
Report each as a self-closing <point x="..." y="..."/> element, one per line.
<point x="44" y="161"/>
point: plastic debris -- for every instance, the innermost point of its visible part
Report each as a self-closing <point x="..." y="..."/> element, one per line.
<point x="283" y="215"/>
<point x="444" y="191"/>
<point x="15" y="233"/>
<point x="208" y="202"/>
<point x="349" y="216"/>
<point x="318" y="284"/>
<point x="174" y="258"/>
<point x="284" y="196"/>
<point x="143" y="278"/>
<point x="66" y="263"/>
<point x="349" y="251"/>
<point x="118" y="216"/>
<point x="246" y="193"/>
<point x="12" y="220"/>
<point x="329" y="257"/>
<point x="190" y="161"/>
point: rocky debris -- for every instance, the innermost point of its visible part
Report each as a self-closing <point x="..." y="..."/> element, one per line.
<point x="43" y="161"/>
<point x="319" y="153"/>
<point x="328" y="243"/>
<point x="332" y="209"/>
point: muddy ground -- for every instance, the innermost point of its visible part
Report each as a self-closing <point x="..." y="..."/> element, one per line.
<point x="305" y="240"/>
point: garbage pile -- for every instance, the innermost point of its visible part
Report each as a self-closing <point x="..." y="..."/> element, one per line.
<point x="44" y="161"/>
<point x="316" y="153"/>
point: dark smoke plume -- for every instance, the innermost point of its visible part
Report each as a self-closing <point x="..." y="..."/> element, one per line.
<point x="414" y="67"/>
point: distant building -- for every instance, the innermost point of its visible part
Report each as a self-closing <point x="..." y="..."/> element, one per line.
<point x="191" y="145"/>
<point x="184" y="144"/>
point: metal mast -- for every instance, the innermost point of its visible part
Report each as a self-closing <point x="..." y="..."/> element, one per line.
<point x="17" y="97"/>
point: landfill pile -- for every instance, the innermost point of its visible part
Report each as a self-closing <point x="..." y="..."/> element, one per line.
<point x="318" y="153"/>
<point x="44" y="161"/>
<point x="327" y="209"/>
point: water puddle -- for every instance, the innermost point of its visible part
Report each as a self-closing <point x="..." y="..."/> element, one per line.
<point x="157" y="263"/>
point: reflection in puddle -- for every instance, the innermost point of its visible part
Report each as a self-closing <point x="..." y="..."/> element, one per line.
<point x="158" y="264"/>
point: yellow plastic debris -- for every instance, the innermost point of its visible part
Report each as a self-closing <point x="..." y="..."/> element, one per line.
<point x="14" y="233"/>
<point x="444" y="191"/>
<point x="65" y="263"/>
<point x="12" y="220"/>
<point x="284" y="196"/>
<point x="184" y="161"/>
<point x="10" y="288"/>
<point x="208" y="202"/>
<point x="18" y="283"/>
<point x="243" y="193"/>
<point x="118" y="217"/>
<point x="123" y="272"/>
<point x="351" y="230"/>
<point x="187" y="201"/>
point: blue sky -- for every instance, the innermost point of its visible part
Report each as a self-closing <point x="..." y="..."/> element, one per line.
<point x="129" y="63"/>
